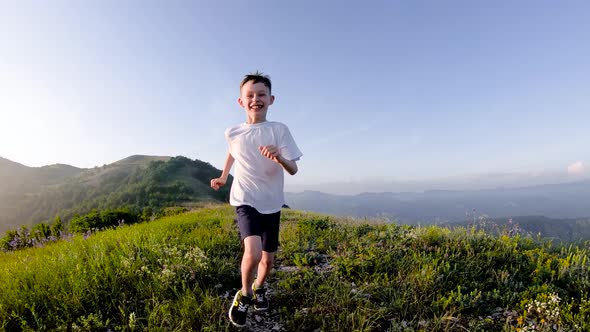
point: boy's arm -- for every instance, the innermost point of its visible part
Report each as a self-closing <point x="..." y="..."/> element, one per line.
<point x="272" y="152"/>
<point x="289" y="165"/>
<point x="220" y="181"/>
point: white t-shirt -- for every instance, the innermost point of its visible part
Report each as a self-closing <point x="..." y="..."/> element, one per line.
<point x="259" y="181"/>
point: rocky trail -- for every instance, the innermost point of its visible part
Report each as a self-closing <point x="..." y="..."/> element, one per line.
<point x="269" y="320"/>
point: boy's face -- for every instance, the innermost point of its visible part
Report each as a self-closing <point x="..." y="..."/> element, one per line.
<point x="255" y="99"/>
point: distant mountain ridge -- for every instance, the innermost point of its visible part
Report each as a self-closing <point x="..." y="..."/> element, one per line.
<point x="566" y="230"/>
<point x="13" y="174"/>
<point x="32" y="194"/>
<point x="568" y="200"/>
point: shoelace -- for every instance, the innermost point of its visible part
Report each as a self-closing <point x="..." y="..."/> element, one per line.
<point x="243" y="307"/>
<point x="259" y="297"/>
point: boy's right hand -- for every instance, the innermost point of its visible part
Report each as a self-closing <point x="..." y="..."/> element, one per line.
<point x="217" y="183"/>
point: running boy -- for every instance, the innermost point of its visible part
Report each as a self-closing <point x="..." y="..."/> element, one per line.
<point x="261" y="150"/>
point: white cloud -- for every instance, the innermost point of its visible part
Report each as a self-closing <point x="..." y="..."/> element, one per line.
<point x="576" y="168"/>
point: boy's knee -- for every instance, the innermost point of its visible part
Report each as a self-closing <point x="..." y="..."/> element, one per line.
<point x="253" y="255"/>
<point x="267" y="260"/>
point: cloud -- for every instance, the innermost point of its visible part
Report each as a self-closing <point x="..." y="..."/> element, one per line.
<point x="576" y="168"/>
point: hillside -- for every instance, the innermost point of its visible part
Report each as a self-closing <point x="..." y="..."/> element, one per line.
<point x="33" y="194"/>
<point x="180" y="273"/>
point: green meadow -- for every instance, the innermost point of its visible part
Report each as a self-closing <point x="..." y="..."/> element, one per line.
<point x="179" y="273"/>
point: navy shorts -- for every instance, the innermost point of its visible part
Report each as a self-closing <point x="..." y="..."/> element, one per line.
<point x="251" y="222"/>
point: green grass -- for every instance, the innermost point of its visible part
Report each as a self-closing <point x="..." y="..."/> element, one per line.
<point x="175" y="274"/>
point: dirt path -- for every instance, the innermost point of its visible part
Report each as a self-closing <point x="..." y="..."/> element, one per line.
<point x="269" y="320"/>
<point x="261" y="321"/>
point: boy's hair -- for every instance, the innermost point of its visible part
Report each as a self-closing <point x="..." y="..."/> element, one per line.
<point x="257" y="77"/>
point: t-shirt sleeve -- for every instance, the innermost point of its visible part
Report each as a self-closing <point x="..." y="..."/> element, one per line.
<point x="288" y="147"/>
<point x="227" y="139"/>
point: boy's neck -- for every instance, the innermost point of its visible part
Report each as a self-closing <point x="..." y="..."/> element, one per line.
<point x="255" y="120"/>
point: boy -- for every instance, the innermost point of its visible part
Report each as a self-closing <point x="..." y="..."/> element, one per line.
<point x="261" y="150"/>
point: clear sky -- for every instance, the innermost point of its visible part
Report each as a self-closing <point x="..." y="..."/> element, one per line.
<point x="373" y="91"/>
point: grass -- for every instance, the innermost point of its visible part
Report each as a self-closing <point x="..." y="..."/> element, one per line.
<point x="175" y="274"/>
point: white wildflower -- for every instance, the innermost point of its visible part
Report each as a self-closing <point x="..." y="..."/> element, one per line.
<point x="132" y="320"/>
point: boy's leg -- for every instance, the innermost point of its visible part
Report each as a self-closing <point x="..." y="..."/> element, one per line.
<point x="264" y="267"/>
<point x="250" y="262"/>
<point x="270" y="243"/>
<point x="250" y="229"/>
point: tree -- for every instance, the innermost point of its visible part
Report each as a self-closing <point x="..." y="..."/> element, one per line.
<point x="41" y="231"/>
<point x="57" y="227"/>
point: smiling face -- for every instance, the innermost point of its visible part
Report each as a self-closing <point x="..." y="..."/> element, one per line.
<point x="255" y="98"/>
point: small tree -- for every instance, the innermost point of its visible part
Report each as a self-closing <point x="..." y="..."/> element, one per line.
<point x="57" y="227"/>
<point x="41" y="231"/>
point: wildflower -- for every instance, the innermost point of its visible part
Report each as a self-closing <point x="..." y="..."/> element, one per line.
<point x="167" y="274"/>
<point x="126" y="262"/>
<point x="14" y="244"/>
<point x="132" y="320"/>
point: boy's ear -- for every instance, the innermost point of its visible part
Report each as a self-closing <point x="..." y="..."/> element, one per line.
<point x="272" y="99"/>
<point x="240" y="101"/>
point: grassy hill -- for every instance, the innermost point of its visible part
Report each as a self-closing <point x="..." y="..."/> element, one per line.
<point x="32" y="195"/>
<point x="333" y="274"/>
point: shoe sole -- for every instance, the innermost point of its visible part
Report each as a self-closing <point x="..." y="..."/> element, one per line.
<point x="260" y="309"/>
<point x="229" y="312"/>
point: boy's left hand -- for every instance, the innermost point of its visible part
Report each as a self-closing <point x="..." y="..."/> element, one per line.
<point x="271" y="152"/>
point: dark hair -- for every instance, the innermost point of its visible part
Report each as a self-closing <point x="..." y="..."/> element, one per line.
<point x="257" y="77"/>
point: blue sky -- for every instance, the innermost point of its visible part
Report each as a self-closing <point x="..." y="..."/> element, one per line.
<point x="377" y="94"/>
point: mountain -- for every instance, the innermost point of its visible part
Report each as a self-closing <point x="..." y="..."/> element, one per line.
<point x="20" y="185"/>
<point x="32" y="194"/>
<point x="568" y="200"/>
<point x="14" y="175"/>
